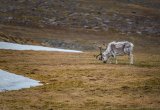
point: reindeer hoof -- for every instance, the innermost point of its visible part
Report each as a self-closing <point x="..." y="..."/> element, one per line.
<point x="104" y="61"/>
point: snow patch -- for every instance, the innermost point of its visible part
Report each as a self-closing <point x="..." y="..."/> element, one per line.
<point x="14" y="46"/>
<point x="11" y="81"/>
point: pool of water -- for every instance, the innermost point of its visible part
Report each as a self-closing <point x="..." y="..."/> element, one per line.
<point x="11" y="81"/>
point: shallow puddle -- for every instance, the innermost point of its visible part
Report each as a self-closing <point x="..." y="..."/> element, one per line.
<point x="11" y="81"/>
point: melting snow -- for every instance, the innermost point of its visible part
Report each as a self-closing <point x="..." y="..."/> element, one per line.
<point x="11" y="81"/>
<point x="14" y="46"/>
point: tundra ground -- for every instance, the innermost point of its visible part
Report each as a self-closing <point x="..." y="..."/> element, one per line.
<point x="77" y="81"/>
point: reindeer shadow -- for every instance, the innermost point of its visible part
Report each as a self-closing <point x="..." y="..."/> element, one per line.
<point x="121" y="64"/>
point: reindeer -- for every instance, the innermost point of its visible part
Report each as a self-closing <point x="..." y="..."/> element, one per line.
<point x="115" y="49"/>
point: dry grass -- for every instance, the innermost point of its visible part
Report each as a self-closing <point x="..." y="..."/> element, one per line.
<point x="78" y="81"/>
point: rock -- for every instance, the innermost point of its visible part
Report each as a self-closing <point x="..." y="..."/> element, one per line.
<point x="73" y="14"/>
<point x="96" y="28"/>
<point x="99" y="19"/>
<point x="139" y="32"/>
<point x="129" y="22"/>
<point x="86" y="14"/>
<point x="87" y="27"/>
<point x="10" y="18"/>
<point x="106" y="21"/>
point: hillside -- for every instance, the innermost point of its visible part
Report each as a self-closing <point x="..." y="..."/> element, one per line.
<point x="126" y="16"/>
<point x="80" y="24"/>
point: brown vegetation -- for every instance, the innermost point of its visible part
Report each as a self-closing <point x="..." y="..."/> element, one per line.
<point x="78" y="81"/>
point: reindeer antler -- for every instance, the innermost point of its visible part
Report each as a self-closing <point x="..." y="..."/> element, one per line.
<point x="100" y="54"/>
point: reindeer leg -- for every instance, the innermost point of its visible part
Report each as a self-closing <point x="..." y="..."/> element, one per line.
<point x="110" y="60"/>
<point x="131" y="58"/>
<point x="116" y="60"/>
<point x="115" y="57"/>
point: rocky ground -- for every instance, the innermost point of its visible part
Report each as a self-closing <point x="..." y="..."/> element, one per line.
<point x="126" y="16"/>
<point x="78" y="39"/>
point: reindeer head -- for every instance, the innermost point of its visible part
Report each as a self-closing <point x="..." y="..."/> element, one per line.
<point x="103" y="56"/>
